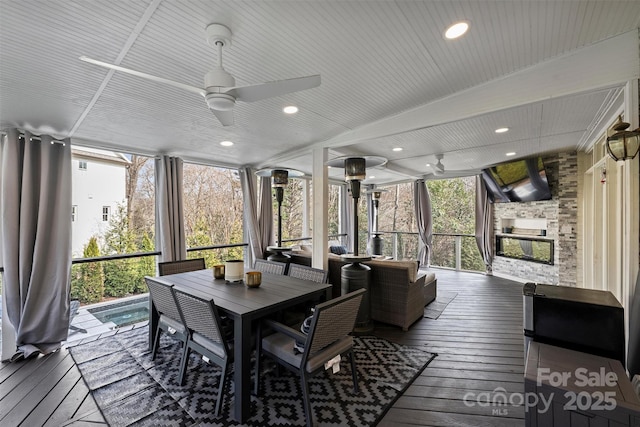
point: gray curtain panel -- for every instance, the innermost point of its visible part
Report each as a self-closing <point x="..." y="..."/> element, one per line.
<point x="422" y="206"/>
<point x="484" y="224"/>
<point x="265" y="215"/>
<point x="248" y="182"/>
<point x="35" y="200"/>
<point x="170" y="237"/>
<point x="346" y="216"/>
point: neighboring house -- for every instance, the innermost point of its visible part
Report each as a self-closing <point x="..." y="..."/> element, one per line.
<point x="98" y="186"/>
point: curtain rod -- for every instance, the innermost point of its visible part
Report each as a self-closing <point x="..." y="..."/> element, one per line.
<point x="21" y="134"/>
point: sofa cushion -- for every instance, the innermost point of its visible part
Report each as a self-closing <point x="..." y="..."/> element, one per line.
<point x="306" y="248"/>
<point x="409" y="265"/>
<point x="430" y="277"/>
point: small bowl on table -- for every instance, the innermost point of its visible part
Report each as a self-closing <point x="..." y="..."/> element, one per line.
<point x="253" y="279"/>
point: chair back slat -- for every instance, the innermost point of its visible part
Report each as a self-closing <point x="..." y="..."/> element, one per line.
<point x="182" y="266"/>
<point x="201" y="316"/>
<point x="163" y="299"/>
<point x="266" y="266"/>
<point x="333" y="320"/>
<point x="307" y="273"/>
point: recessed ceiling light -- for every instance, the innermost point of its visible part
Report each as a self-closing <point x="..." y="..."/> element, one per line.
<point x="512" y="153"/>
<point x="226" y="143"/>
<point x="372" y="176"/>
<point x="397" y="148"/>
<point x="290" y="109"/>
<point x="428" y="165"/>
<point x="456" y="30"/>
<point x="501" y="130"/>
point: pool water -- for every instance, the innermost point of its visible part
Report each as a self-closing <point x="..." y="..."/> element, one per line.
<point x="123" y="313"/>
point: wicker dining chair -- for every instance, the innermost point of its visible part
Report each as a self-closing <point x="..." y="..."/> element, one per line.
<point x="170" y="319"/>
<point x="206" y="337"/>
<point x="273" y="267"/>
<point x="328" y="337"/>
<point x="295" y="315"/>
<point x="182" y="266"/>
<point x="307" y="273"/>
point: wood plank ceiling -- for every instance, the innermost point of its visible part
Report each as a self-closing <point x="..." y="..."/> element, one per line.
<point x="389" y="78"/>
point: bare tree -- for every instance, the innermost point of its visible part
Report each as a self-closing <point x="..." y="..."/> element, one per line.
<point x="133" y="170"/>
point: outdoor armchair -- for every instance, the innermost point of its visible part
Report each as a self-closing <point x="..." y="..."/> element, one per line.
<point x="298" y="313"/>
<point x="182" y="266"/>
<point x="205" y="337"/>
<point x="307" y="273"/>
<point x="170" y="320"/>
<point x="327" y="338"/>
<point x="273" y="267"/>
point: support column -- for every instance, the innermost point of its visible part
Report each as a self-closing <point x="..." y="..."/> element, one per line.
<point x="319" y="258"/>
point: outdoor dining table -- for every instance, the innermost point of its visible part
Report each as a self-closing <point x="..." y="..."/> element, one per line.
<point x="244" y="306"/>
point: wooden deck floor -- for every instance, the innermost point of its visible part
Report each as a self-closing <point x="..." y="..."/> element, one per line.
<point x="478" y="339"/>
<point x="479" y="343"/>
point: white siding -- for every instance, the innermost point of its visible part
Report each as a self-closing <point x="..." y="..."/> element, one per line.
<point x="101" y="184"/>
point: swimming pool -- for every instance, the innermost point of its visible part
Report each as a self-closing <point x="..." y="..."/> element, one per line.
<point x="123" y="313"/>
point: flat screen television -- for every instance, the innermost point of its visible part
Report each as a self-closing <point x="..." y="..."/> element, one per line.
<point x="518" y="181"/>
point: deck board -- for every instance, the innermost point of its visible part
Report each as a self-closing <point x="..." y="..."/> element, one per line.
<point x="478" y="338"/>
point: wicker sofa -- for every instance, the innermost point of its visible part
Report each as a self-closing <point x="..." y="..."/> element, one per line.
<point x="399" y="291"/>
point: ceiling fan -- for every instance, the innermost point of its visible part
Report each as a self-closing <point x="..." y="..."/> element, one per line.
<point x="439" y="171"/>
<point x="438" y="168"/>
<point x="220" y="91"/>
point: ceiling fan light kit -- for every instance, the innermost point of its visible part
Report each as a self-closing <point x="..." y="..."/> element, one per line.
<point x="220" y="101"/>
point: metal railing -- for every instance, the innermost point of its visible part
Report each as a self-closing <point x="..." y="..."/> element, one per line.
<point x="448" y="250"/>
<point x="330" y="237"/>
<point x="95" y="279"/>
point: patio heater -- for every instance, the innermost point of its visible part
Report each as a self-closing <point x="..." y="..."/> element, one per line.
<point x="279" y="180"/>
<point x="356" y="275"/>
<point x="377" y="242"/>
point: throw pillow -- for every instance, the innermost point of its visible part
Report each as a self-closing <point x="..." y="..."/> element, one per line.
<point x="298" y="347"/>
<point x="338" y="250"/>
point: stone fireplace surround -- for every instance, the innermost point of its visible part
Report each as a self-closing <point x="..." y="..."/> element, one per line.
<point x="558" y="217"/>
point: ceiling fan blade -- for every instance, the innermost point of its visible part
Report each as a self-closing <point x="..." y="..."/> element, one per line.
<point x="145" y="76"/>
<point x="225" y="117"/>
<point x="275" y="88"/>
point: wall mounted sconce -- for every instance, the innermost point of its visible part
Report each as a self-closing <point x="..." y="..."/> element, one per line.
<point x="623" y="144"/>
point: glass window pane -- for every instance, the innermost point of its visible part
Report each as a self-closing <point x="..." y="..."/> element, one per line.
<point x="212" y="211"/>
<point x="118" y="218"/>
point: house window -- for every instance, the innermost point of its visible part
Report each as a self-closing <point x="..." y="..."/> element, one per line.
<point x="82" y="165"/>
<point x="106" y="210"/>
<point x="74" y="212"/>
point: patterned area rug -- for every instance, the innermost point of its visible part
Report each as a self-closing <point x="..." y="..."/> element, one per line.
<point x="131" y="389"/>
<point x="435" y="308"/>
